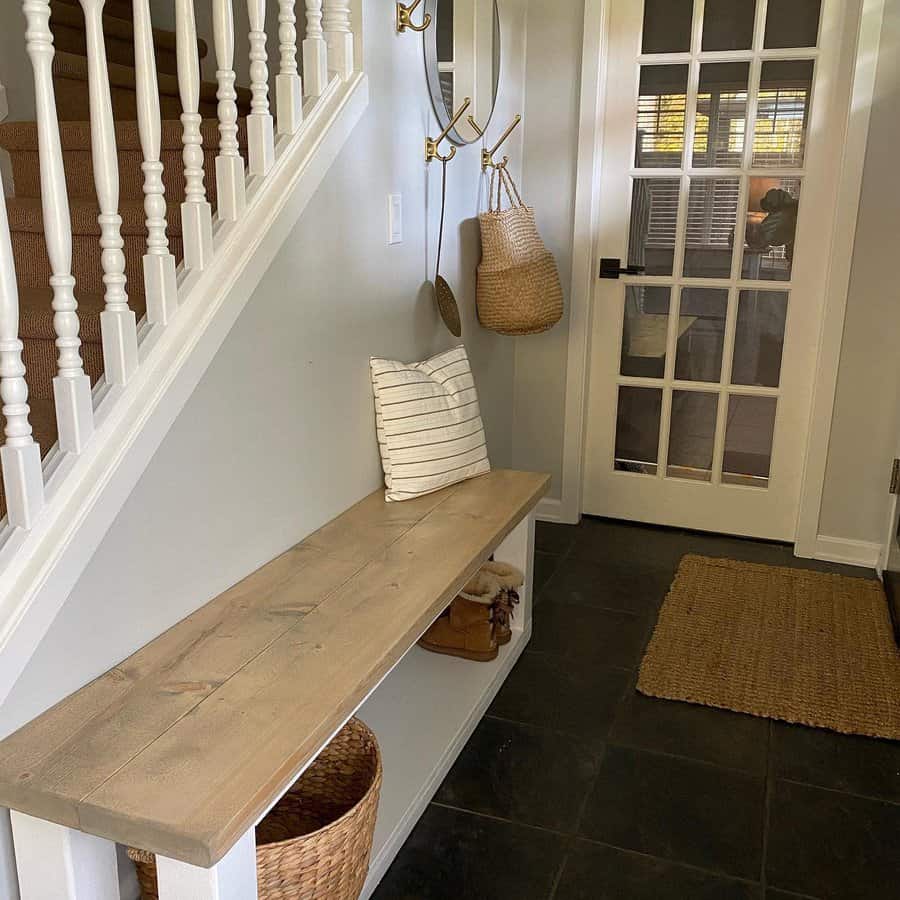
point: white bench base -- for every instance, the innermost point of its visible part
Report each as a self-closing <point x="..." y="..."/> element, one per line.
<point x="423" y="712"/>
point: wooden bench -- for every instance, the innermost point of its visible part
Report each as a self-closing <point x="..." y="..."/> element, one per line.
<point x="183" y="747"/>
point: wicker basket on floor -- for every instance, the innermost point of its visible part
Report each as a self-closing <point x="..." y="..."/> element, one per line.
<point x="315" y="843"/>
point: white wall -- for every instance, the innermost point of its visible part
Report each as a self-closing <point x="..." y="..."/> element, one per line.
<point x="278" y="438"/>
<point x="553" y="78"/>
<point x="866" y="426"/>
<point x="864" y="437"/>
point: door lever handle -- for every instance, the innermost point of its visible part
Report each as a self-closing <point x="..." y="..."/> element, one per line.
<point x="611" y="267"/>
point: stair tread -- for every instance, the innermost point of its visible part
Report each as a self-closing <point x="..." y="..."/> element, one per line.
<point x="76" y="136"/>
<point x="74" y="66"/>
<point x="25" y="215"/>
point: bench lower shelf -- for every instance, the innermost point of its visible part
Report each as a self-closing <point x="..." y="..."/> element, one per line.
<point x="423" y="713"/>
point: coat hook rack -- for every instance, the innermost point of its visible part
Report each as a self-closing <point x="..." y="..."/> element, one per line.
<point x="404" y="17"/>
<point x="432" y="144"/>
<point x="487" y="156"/>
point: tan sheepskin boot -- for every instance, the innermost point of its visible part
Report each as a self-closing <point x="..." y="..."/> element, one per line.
<point x="466" y="629"/>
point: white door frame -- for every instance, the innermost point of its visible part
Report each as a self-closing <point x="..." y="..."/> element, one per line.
<point x="586" y="257"/>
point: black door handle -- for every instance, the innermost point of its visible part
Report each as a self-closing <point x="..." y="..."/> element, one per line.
<point x="611" y="267"/>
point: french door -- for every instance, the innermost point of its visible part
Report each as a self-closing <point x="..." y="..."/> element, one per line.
<point x="718" y="174"/>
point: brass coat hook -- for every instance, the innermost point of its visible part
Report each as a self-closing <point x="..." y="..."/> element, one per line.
<point x="404" y="17"/>
<point x="432" y="144"/>
<point x="487" y="156"/>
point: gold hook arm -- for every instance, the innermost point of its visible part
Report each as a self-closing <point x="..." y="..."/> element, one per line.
<point x="475" y="126"/>
<point x="432" y="144"/>
<point x="456" y="117"/>
<point x="404" y="18"/>
<point x="506" y="134"/>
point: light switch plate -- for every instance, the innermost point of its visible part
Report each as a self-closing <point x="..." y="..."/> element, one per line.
<point x="395" y="218"/>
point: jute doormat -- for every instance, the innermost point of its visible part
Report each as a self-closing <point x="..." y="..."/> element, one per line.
<point x="789" y="644"/>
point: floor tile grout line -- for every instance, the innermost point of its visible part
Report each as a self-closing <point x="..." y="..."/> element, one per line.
<point x="871" y="798"/>
<point x="766" y="811"/>
<point x="557" y="732"/>
<point x="665" y="859"/>
<point x="557" y="878"/>
<point x="690" y="759"/>
<point x="504" y="821"/>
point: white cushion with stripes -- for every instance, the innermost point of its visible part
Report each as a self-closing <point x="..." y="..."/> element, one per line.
<point x="429" y="424"/>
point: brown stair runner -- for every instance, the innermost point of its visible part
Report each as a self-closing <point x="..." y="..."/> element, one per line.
<point x="20" y="140"/>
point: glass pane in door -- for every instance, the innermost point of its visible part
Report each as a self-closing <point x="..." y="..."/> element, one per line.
<point x="748" y="440"/>
<point x="772" y="208"/>
<point x="667" y="26"/>
<point x="782" y="115"/>
<point x="728" y="24"/>
<point x="662" y="97"/>
<point x="645" y="331"/>
<point x="712" y="214"/>
<point x="654" y="221"/>
<point x="701" y="334"/>
<point x="721" y="114"/>
<point x="637" y="429"/>
<point x="792" y="23"/>
<point x="759" y="338"/>
<point x="692" y="435"/>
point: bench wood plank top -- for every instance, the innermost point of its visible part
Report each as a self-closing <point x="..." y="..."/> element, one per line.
<point x="182" y="747"/>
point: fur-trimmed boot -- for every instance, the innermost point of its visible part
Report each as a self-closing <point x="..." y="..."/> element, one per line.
<point x="509" y="579"/>
<point x="466" y="629"/>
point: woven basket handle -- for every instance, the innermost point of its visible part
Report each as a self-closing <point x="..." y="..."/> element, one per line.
<point x="498" y="185"/>
<point x="508" y="183"/>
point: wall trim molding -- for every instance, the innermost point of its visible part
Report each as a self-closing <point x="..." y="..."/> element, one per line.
<point x="550" y="510"/>
<point x="831" y="335"/>
<point x="847" y="551"/>
<point x="587" y="200"/>
<point x="587" y="205"/>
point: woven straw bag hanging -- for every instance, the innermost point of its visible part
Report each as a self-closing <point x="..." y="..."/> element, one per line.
<point x="518" y="282"/>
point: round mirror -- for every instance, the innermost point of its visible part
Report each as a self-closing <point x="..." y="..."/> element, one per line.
<point x="462" y="59"/>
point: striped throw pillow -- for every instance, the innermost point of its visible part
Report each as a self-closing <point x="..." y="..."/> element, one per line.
<point x="429" y="425"/>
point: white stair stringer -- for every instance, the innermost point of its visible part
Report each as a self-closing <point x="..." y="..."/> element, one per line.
<point x="85" y="492"/>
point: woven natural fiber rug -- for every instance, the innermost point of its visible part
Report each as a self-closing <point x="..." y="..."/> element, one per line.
<point x="804" y="647"/>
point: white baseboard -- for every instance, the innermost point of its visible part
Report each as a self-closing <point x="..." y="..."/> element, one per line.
<point x="847" y="551"/>
<point x="549" y="510"/>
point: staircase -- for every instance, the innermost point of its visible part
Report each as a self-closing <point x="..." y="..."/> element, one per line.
<point x="20" y="140"/>
<point x="146" y="205"/>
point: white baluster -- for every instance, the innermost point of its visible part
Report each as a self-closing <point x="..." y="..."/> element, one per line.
<point x="230" y="181"/>
<point x="71" y="386"/>
<point x="339" y="37"/>
<point x="315" y="51"/>
<point x="288" y="85"/>
<point x="196" y="213"/>
<point x="160" y="283"/>
<point x="117" y="321"/>
<point x="20" y="456"/>
<point x="260" y="127"/>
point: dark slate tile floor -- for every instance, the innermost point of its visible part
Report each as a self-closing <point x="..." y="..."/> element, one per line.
<point x="576" y="787"/>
